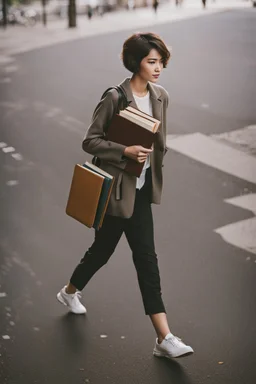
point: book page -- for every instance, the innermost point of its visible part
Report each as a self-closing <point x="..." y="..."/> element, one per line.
<point x="98" y="170"/>
<point x="145" y="115"/>
<point x="145" y="123"/>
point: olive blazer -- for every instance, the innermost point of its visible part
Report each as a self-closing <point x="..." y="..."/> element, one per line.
<point x="111" y="154"/>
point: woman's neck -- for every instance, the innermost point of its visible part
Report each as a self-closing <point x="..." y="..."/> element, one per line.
<point x="139" y="86"/>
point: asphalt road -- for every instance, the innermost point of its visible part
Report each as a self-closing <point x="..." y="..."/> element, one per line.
<point x="208" y="285"/>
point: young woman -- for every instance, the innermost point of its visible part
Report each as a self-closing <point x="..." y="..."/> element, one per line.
<point x="129" y="210"/>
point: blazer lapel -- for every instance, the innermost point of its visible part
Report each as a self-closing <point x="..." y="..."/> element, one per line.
<point x="126" y="87"/>
<point x="156" y="100"/>
<point x="157" y="109"/>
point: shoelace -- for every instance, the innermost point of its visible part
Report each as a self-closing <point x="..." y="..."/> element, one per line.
<point x="173" y="341"/>
<point x="77" y="294"/>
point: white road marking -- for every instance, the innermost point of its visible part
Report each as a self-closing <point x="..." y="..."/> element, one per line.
<point x="244" y="139"/>
<point x="233" y="161"/>
<point x="215" y="154"/>
<point x="12" y="183"/>
<point x="241" y="234"/>
<point x="6" y="337"/>
<point x="8" y="149"/>
<point x="17" y="156"/>
<point x="244" y="201"/>
<point x="3" y="294"/>
<point x="2" y="145"/>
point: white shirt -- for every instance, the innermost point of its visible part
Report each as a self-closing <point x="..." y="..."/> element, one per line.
<point x="145" y="105"/>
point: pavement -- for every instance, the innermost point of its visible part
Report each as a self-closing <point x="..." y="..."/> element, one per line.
<point x="19" y="39"/>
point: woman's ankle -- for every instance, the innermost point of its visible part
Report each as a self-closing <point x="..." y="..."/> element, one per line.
<point x="70" y="289"/>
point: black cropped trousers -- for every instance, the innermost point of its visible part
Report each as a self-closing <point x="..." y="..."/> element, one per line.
<point x="139" y="232"/>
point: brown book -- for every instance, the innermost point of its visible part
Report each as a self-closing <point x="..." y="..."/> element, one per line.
<point x="89" y="195"/>
<point x="128" y="133"/>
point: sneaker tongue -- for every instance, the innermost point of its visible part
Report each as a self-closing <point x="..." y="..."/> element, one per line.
<point x="168" y="336"/>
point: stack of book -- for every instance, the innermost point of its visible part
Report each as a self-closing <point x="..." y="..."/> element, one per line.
<point x="133" y="127"/>
<point x="89" y="195"/>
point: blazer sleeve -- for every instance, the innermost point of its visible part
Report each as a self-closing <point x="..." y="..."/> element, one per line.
<point x="95" y="141"/>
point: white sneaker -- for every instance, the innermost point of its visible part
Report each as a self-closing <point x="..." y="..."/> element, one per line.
<point x="71" y="301"/>
<point x="172" y="346"/>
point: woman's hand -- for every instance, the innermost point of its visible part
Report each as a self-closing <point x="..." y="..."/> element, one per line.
<point x="137" y="153"/>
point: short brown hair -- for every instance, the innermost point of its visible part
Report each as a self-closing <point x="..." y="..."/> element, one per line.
<point x="138" y="46"/>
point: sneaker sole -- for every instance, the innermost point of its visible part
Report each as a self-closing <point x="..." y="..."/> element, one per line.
<point x="60" y="299"/>
<point x="159" y="354"/>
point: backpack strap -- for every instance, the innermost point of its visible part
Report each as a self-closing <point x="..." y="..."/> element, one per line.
<point x="122" y="104"/>
<point x="122" y="97"/>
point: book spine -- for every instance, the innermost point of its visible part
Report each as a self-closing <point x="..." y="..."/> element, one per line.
<point x="102" y="202"/>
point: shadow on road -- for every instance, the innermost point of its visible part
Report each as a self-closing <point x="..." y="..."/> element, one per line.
<point x="171" y="371"/>
<point x="72" y="331"/>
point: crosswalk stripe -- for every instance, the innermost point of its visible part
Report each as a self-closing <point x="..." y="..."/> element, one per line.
<point x="245" y="202"/>
<point x="215" y="154"/>
<point x="241" y="234"/>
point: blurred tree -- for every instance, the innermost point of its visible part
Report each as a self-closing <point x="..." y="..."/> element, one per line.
<point x="19" y="2"/>
<point x="4" y="11"/>
<point x="44" y="12"/>
<point x="72" y="14"/>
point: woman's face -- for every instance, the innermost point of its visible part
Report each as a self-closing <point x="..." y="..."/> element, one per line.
<point x="151" y="66"/>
